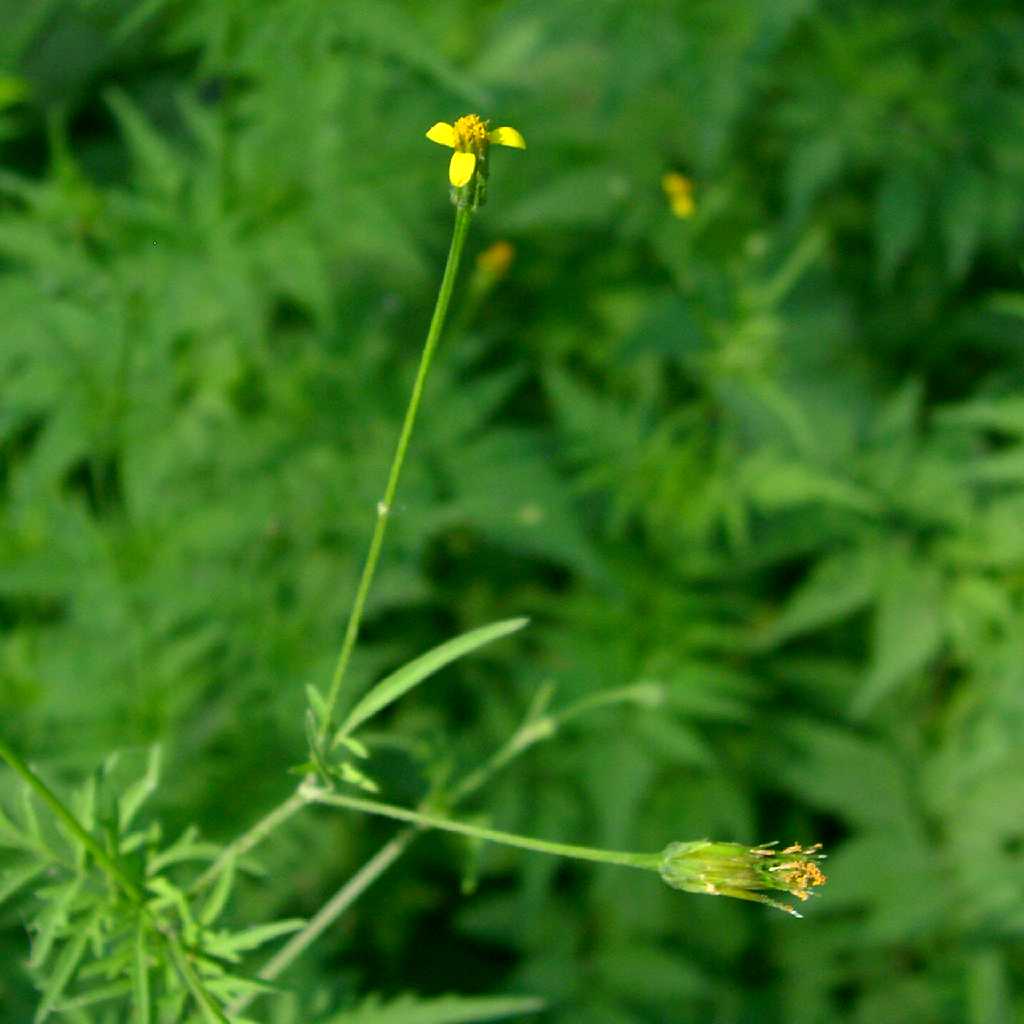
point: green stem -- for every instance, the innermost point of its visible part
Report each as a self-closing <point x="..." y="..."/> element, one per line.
<point x="285" y="810"/>
<point x="109" y="865"/>
<point x="537" y="728"/>
<point x="328" y="913"/>
<point x="384" y="506"/>
<point x="647" y="861"/>
<point x="245" y="842"/>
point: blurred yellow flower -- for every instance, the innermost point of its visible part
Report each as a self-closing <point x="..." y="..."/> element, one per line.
<point x="679" y="191"/>
<point x="497" y="258"/>
<point x="470" y="139"/>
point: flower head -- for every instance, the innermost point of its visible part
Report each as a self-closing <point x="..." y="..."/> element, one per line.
<point x="679" y="192"/>
<point x="467" y="170"/>
<point x="745" y="872"/>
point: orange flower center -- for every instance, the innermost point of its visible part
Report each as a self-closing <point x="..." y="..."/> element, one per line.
<point x="470" y="134"/>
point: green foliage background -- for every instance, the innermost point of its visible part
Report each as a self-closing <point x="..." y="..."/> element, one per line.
<point x="770" y="457"/>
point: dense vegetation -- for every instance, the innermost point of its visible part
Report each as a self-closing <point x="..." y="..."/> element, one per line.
<point x="762" y="465"/>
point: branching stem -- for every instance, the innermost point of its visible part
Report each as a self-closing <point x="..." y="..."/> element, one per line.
<point x="647" y="861"/>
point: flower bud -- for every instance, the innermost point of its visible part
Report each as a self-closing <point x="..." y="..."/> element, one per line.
<point x="744" y="872"/>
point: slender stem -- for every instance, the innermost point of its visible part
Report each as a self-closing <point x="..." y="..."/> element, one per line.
<point x="462" y="220"/>
<point x="535" y="729"/>
<point x="647" y="861"/>
<point x="529" y="733"/>
<point x="245" y="842"/>
<point x="284" y="811"/>
<point x="326" y="915"/>
<point x="108" y="863"/>
<point x="524" y="737"/>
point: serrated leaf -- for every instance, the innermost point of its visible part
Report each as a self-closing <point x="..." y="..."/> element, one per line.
<point x="396" y="685"/>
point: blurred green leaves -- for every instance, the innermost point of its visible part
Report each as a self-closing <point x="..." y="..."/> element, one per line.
<point x="766" y="460"/>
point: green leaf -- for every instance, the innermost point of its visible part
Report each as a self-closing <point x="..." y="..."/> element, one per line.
<point x="209" y="1009"/>
<point x="99" y="994"/>
<point x="12" y="879"/>
<point x="1005" y="415"/>
<point x="229" y="945"/>
<point x="317" y="704"/>
<point x="137" y="794"/>
<point x="156" y="164"/>
<point x="218" y="898"/>
<point x="186" y="847"/>
<point x="354" y="777"/>
<point x="14" y="837"/>
<point x="899" y="219"/>
<point x="962" y="216"/>
<point x="834" y="589"/>
<point x="439" y="1010"/>
<point x="404" y="679"/>
<point x="140" y="975"/>
<point x="53" y="918"/>
<point x="1004" y="467"/>
<point x="63" y="971"/>
<point x="908" y="628"/>
<point x="168" y="894"/>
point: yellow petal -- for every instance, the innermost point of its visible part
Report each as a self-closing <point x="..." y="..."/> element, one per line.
<point x="507" y="137"/>
<point x="443" y="134"/>
<point x="679" y="192"/>
<point x="460" y="170"/>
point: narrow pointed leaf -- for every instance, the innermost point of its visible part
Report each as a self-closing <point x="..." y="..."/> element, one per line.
<point x="137" y="794"/>
<point x="404" y="679"/>
<point x="449" y="1009"/>
<point x="14" y="878"/>
<point x="218" y="898"/>
<point x="63" y="971"/>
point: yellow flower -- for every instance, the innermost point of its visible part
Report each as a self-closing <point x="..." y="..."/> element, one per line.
<point x="679" y="191"/>
<point x="470" y="139"/>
